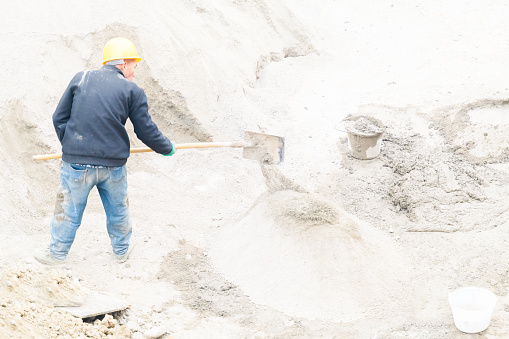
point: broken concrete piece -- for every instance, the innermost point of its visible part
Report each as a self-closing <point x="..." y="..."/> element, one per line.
<point x="97" y="304"/>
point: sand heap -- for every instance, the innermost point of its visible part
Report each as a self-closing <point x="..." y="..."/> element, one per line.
<point x="298" y="253"/>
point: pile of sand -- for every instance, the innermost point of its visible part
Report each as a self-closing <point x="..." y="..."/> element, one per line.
<point x="298" y="253"/>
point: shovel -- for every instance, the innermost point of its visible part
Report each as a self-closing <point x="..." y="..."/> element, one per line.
<point x="268" y="149"/>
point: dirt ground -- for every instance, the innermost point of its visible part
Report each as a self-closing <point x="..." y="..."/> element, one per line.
<point x="323" y="245"/>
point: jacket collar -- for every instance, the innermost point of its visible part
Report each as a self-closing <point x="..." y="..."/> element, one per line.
<point x="112" y="68"/>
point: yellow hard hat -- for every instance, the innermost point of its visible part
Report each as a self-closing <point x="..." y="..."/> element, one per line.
<point x="119" y="48"/>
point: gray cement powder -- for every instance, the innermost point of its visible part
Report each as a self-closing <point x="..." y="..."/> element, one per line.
<point x="363" y="126"/>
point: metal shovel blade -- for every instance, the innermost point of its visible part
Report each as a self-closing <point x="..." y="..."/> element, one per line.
<point x="266" y="148"/>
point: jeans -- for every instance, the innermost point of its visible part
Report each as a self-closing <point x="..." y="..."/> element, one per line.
<point x="76" y="181"/>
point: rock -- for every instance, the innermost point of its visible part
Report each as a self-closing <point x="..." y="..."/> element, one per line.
<point x="137" y="335"/>
<point x="155" y="332"/>
<point x="109" y="321"/>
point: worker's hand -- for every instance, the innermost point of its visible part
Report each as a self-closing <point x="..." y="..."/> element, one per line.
<point x="173" y="149"/>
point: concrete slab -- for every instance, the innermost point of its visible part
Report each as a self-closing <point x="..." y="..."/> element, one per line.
<point x="96" y="304"/>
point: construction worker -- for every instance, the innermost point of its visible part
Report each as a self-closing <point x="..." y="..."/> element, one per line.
<point x="90" y="123"/>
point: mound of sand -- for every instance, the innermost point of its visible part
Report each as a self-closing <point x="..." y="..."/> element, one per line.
<point x="302" y="255"/>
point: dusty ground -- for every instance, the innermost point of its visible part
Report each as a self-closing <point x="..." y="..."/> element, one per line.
<point x="323" y="245"/>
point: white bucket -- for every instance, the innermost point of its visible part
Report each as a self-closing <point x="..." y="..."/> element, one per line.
<point x="472" y="308"/>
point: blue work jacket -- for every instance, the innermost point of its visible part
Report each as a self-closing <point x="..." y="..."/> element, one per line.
<point x="90" y="119"/>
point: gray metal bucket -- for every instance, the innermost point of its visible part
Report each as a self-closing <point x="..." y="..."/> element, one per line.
<point x="364" y="136"/>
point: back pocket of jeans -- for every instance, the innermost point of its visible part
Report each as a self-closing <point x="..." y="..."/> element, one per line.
<point x="77" y="173"/>
<point x="117" y="173"/>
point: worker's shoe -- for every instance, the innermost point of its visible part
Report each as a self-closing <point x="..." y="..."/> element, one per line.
<point x="44" y="256"/>
<point x="122" y="258"/>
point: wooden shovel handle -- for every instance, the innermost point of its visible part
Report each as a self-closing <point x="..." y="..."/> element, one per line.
<point x="195" y="145"/>
<point x="47" y="156"/>
<point x="148" y="149"/>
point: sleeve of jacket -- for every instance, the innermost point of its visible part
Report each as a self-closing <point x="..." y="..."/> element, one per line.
<point x="146" y="130"/>
<point x="63" y="111"/>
